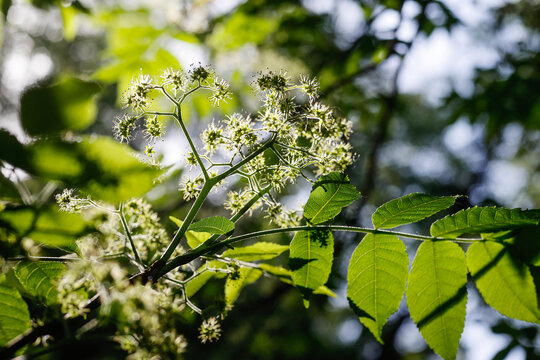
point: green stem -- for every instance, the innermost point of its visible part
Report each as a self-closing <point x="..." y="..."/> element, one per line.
<point x="191" y="145"/>
<point x="202" y="250"/>
<point x="128" y="233"/>
<point x="170" y="266"/>
<point x="245" y="160"/>
<point x="187" y="221"/>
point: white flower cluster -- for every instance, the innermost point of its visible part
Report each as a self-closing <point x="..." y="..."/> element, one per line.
<point x="175" y="84"/>
<point x="306" y="137"/>
<point x="145" y="316"/>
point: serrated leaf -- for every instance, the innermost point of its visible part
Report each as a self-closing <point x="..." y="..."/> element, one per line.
<point x="437" y="295"/>
<point x="235" y="284"/>
<point x="39" y="279"/>
<point x="483" y="220"/>
<point x="194" y="239"/>
<point x="505" y="283"/>
<point x="329" y="195"/>
<point x="259" y="251"/>
<point x="213" y="225"/>
<point x="14" y="316"/>
<point x="409" y="209"/>
<point x="376" y="280"/>
<point x="310" y="260"/>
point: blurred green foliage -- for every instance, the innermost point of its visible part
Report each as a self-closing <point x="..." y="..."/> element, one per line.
<point x="66" y="142"/>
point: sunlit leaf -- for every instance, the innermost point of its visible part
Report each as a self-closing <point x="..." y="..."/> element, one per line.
<point x="39" y="279"/>
<point x="241" y="28"/>
<point x="311" y="257"/>
<point x="505" y="283"/>
<point x="98" y="166"/>
<point x="482" y="220"/>
<point x="237" y="281"/>
<point x="213" y="225"/>
<point x="258" y="251"/>
<point x="71" y="23"/>
<point x="47" y="226"/>
<point x="69" y="104"/>
<point x="329" y="195"/>
<point x="376" y="280"/>
<point x="437" y="295"/>
<point x="409" y="209"/>
<point x="14" y="316"/>
<point x="194" y="239"/>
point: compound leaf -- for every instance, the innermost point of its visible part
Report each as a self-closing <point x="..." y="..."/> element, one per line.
<point x="329" y="195"/>
<point x="505" y="283"/>
<point x="483" y="220"/>
<point x="437" y="295"/>
<point x="408" y="209"/>
<point x="376" y="280"/>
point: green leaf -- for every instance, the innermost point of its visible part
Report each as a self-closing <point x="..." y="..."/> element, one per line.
<point x="437" y="295"/>
<point x="213" y="225"/>
<point x="235" y="284"/>
<point x="14" y="316"/>
<point x="259" y="251"/>
<point x="96" y="165"/>
<point x="194" y="285"/>
<point x="241" y="28"/>
<point x="68" y="104"/>
<point x="13" y="152"/>
<point x="46" y="226"/>
<point x="8" y="189"/>
<point x="376" y="280"/>
<point x="505" y="283"/>
<point x="483" y="219"/>
<point x="409" y="209"/>
<point x="329" y="195"/>
<point x="311" y="256"/>
<point x="204" y="275"/>
<point x="39" y="279"/>
<point x="526" y="245"/>
<point x="70" y="20"/>
<point x="194" y="239"/>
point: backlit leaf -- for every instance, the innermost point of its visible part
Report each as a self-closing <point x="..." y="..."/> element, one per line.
<point x="311" y="257"/>
<point x="258" y="251"/>
<point x="483" y="220"/>
<point x="376" y="280"/>
<point x="68" y="104"/>
<point x="39" y="278"/>
<point x="329" y="195"/>
<point x="505" y="283"/>
<point x="437" y="295"/>
<point x="409" y="209"/>
<point x="213" y="225"/>
<point x="236" y="282"/>
<point x="99" y="166"/>
<point x="194" y="239"/>
<point x="14" y="316"/>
